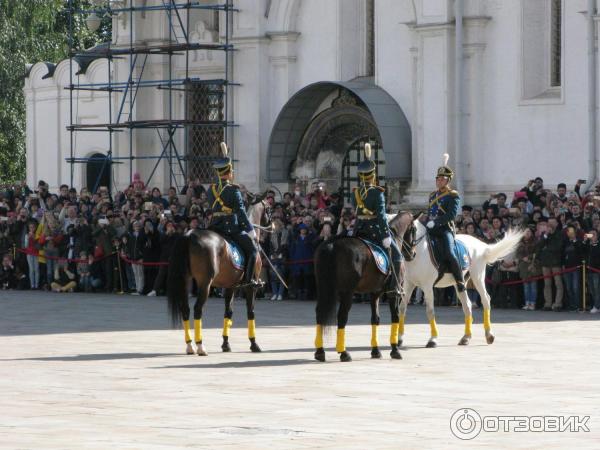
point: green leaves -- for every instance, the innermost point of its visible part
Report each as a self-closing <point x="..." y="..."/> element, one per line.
<point x="32" y="31"/>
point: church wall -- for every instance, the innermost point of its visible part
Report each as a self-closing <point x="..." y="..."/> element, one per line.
<point x="524" y="138"/>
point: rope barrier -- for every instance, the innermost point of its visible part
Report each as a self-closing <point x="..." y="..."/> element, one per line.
<point x="60" y="258"/>
<point x="78" y="260"/>
<point x="530" y="279"/>
<point x="148" y="264"/>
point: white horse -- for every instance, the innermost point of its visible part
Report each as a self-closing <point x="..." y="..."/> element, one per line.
<point x="421" y="272"/>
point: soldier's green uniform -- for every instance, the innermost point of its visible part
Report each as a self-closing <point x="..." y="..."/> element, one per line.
<point x="371" y="221"/>
<point x="444" y="205"/>
<point x="229" y="216"/>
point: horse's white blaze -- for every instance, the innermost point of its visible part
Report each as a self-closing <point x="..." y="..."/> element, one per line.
<point x="420" y="272"/>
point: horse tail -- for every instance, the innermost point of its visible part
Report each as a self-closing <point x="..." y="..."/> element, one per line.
<point x="325" y="272"/>
<point x="179" y="271"/>
<point x="504" y="247"/>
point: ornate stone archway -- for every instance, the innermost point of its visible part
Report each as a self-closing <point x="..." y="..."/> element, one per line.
<point x="327" y="140"/>
<point x="304" y="143"/>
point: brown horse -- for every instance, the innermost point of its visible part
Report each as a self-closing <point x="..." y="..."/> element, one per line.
<point x="344" y="266"/>
<point x="204" y="256"/>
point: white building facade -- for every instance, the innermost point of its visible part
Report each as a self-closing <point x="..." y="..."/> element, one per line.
<point x="318" y="78"/>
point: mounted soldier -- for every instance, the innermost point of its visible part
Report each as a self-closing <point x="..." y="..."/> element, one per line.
<point x="229" y="217"/>
<point x="371" y="219"/>
<point x="444" y="204"/>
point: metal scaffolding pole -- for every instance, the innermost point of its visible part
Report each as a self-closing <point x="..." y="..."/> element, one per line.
<point x="128" y="88"/>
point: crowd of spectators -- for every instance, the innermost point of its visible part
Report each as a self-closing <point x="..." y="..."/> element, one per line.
<point x="94" y="241"/>
<point x="562" y="228"/>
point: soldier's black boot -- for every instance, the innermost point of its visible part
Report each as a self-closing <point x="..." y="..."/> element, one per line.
<point x="393" y="280"/>
<point x="458" y="274"/>
<point x="249" y="272"/>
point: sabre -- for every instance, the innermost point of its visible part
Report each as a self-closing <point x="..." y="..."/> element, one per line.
<point x="265" y="229"/>
<point x="271" y="265"/>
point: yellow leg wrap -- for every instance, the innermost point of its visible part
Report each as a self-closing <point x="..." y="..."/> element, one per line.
<point x="433" y="327"/>
<point x="319" y="337"/>
<point x="374" y="341"/>
<point x="340" y="343"/>
<point x="487" y="323"/>
<point x="186" y="330"/>
<point x="401" y="324"/>
<point x="227" y="323"/>
<point x="394" y="334"/>
<point x="198" y="330"/>
<point x="251" y="329"/>
<point x="468" y="323"/>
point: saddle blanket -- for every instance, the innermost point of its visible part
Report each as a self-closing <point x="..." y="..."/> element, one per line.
<point x="460" y="253"/>
<point x="236" y="254"/>
<point x="379" y="255"/>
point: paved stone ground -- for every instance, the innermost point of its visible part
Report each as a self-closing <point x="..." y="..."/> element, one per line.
<point x="99" y="371"/>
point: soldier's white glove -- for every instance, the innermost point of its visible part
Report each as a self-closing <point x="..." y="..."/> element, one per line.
<point x="387" y="242"/>
<point x="430" y="224"/>
<point x="252" y="234"/>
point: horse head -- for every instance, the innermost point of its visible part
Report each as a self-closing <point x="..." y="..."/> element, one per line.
<point x="404" y="228"/>
<point x="259" y="209"/>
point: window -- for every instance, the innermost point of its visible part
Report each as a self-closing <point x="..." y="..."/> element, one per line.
<point x="370" y="38"/>
<point x="555" y="42"/>
<point x="541" y="51"/>
<point x="205" y="128"/>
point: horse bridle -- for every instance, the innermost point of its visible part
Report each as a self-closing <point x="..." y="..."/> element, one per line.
<point x="409" y="249"/>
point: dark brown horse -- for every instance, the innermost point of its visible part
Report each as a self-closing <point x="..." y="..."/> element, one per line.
<point x="344" y="266"/>
<point x="204" y="256"/>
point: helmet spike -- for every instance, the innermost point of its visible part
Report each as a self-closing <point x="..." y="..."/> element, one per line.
<point x="224" y="149"/>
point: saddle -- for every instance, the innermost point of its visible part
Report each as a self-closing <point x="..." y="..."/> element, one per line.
<point x="236" y="255"/>
<point x="460" y="253"/>
<point x="380" y="256"/>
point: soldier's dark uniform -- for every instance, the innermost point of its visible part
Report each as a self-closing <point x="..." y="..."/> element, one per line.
<point x="229" y="216"/>
<point x="371" y="221"/>
<point x="443" y="208"/>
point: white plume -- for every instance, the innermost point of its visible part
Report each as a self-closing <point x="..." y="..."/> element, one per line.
<point x="224" y="149"/>
<point x="445" y="158"/>
<point x="368" y="150"/>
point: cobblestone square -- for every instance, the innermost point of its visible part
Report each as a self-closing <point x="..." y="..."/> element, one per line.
<point x="100" y="371"/>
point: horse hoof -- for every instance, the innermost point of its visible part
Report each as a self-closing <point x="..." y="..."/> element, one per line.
<point x="226" y="347"/>
<point x="490" y="338"/>
<point x="255" y="348"/>
<point x="320" y="355"/>
<point x="345" y="357"/>
<point x="202" y="350"/>
<point x="431" y="344"/>
<point x="189" y="350"/>
<point x="395" y="354"/>
<point x="465" y="340"/>
<point x="375" y="353"/>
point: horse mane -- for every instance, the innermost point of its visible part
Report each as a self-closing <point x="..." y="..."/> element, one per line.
<point x="398" y="224"/>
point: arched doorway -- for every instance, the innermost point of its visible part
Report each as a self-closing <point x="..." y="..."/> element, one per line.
<point x="321" y="122"/>
<point x="97" y="171"/>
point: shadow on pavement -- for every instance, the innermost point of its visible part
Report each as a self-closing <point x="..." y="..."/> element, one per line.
<point x="40" y="313"/>
<point x="97" y="357"/>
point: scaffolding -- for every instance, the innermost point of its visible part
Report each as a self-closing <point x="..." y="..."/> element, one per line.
<point x="206" y="112"/>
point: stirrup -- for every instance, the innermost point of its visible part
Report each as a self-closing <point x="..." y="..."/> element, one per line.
<point x="252" y="283"/>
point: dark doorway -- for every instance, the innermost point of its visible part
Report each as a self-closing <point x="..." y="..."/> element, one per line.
<point x="98" y="172"/>
<point x="353" y="158"/>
